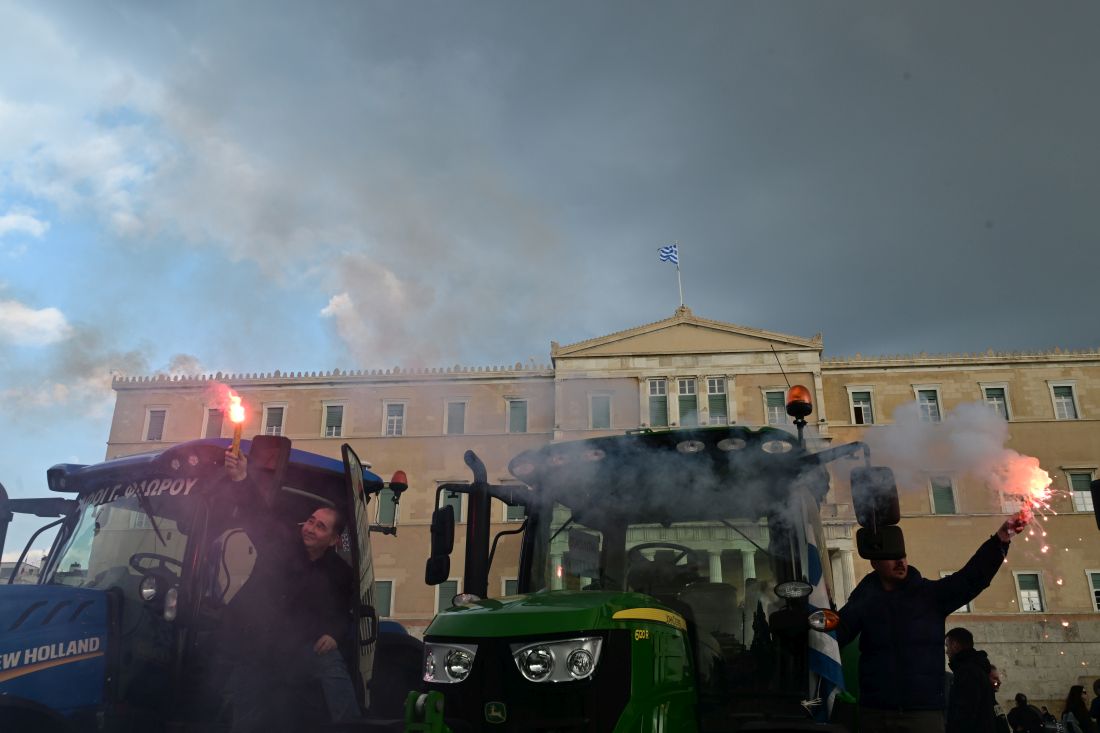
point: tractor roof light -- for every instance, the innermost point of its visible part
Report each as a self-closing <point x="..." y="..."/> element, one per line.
<point x="799" y="403"/>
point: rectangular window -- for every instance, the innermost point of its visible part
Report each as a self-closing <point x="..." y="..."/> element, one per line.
<point x="716" y="400"/>
<point x="995" y="397"/>
<point x="445" y="591"/>
<point x="1080" y="487"/>
<point x="395" y="418"/>
<point x="1065" y="407"/>
<point x="861" y="409"/>
<point x="456" y="418"/>
<point x="213" y="424"/>
<point x="943" y="496"/>
<point x="334" y="421"/>
<point x="776" y="407"/>
<point x="453" y="499"/>
<point x="929" y="401"/>
<point x="688" y="402"/>
<point x="510" y="586"/>
<point x="514" y="513"/>
<point x="383" y="598"/>
<point x="273" y="420"/>
<point x="517" y="416"/>
<point x="599" y="417"/>
<point x="1094" y="585"/>
<point x="387" y="510"/>
<point x="1030" y="591"/>
<point x="658" y="403"/>
<point x="155" y="424"/>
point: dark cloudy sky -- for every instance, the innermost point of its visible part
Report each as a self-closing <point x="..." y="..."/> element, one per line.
<point x="259" y="185"/>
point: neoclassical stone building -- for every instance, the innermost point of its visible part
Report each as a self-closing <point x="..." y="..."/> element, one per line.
<point x="1039" y="621"/>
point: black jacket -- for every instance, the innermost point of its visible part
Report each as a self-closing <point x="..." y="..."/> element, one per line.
<point x="901" y="632"/>
<point x="288" y="601"/>
<point x="970" y="703"/>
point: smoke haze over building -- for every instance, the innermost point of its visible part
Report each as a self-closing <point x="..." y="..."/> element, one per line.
<point x="274" y="186"/>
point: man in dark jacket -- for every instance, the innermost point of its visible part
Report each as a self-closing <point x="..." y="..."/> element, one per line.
<point x="970" y="701"/>
<point x="899" y="618"/>
<point x="1025" y="718"/>
<point x="286" y="621"/>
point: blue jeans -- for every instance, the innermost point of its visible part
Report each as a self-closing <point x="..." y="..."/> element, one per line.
<point x="329" y="669"/>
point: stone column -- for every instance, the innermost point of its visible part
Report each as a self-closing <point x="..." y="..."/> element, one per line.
<point x="748" y="564"/>
<point x="556" y="572"/>
<point x="715" y="558"/>
<point x="848" y="572"/>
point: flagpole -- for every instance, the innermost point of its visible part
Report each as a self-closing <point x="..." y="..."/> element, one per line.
<point x="679" y="283"/>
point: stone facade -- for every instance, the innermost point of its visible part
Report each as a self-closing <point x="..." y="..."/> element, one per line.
<point x="684" y="370"/>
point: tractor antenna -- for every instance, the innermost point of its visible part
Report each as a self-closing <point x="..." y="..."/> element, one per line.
<point x="781" y="370"/>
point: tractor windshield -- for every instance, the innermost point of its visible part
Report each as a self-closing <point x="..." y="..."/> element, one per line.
<point x="725" y="570"/>
<point x="111" y="543"/>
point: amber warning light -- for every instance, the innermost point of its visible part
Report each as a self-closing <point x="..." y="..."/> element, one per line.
<point x="799" y="403"/>
<point x="236" y="416"/>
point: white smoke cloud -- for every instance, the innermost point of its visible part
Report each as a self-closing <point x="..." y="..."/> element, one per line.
<point x="969" y="441"/>
<point x="22" y="325"/>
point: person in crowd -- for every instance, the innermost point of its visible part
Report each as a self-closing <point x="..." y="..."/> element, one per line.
<point x="1094" y="709"/>
<point x="1075" y="713"/>
<point x="1025" y="718"/>
<point x="899" y="616"/>
<point x="970" y="704"/>
<point x="286" y="622"/>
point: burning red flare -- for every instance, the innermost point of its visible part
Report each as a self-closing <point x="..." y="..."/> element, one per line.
<point x="236" y="416"/>
<point x="1033" y="483"/>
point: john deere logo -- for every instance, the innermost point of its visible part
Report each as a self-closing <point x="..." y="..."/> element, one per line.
<point x="495" y="712"/>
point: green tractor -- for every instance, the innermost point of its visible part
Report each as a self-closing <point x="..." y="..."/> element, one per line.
<point x="667" y="581"/>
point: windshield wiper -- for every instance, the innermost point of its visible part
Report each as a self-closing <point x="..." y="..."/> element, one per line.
<point x="143" y="502"/>
<point x="735" y="529"/>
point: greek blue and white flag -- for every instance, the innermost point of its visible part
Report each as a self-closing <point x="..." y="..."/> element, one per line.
<point x="826" y="674"/>
<point x="669" y="254"/>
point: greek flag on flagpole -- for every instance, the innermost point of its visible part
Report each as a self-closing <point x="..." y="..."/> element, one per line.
<point x="824" y="649"/>
<point x="669" y="254"/>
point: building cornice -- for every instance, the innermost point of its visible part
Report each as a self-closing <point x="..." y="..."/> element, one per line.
<point x="336" y="377"/>
<point x="987" y="358"/>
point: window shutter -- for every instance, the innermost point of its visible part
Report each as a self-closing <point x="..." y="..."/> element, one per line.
<point x="448" y="589"/>
<point x="383" y="593"/>
<point x="156" y="425"/>
<point x="943" y="497"/>
<point x="214" y="423"/>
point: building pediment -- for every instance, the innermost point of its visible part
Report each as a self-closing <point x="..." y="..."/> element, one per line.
<point x="685" y="333"/>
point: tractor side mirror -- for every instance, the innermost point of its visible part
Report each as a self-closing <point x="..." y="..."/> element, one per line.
<point x="438" y="567"/>
<point x="875" y="496"/>
<point x="885" y="543"/>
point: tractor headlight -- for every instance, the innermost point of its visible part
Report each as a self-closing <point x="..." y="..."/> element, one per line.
<point x="536" y="664"/>
<point x="459" y="662"/>
<point x="558" y="661"/>
<point x="448" y="663"/>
